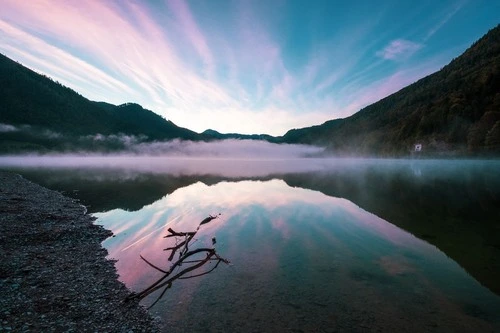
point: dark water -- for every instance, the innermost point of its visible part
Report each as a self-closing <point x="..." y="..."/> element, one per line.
<point x="315" y="245"/>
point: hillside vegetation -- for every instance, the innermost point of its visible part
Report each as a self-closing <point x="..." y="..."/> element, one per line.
<point x="212" y="134"/>
<point x="455" y="110"/>
<point x="37" y="113"/>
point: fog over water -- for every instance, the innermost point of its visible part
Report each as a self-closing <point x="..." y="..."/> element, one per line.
<point x="227" y="158"/>
<point x="232" y="158"/>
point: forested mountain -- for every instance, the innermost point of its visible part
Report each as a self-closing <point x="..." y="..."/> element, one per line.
<point x="455" y="110"/>
<point x="37" y="113"/>
<point x="132" y="119"/>
<point x="222" y="136"/>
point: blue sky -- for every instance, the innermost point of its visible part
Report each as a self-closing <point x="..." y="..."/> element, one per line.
<point x="241" y="66"/>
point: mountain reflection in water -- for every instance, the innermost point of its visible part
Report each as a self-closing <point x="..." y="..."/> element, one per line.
<point x="301" y="260"/>
<point x="305" y="256"/>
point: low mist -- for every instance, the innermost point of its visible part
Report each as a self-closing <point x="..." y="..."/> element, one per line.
<point x="229" y="158"/>
<point x="225" y="149"/>
<point x="232" y="158"/>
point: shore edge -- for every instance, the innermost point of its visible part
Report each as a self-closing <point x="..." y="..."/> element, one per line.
<point x="54" y="275"/>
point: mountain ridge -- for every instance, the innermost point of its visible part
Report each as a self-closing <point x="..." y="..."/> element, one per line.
<point x="38" y="113"/>
<point x="454" y="111"/>
<point x="210" y="133"/>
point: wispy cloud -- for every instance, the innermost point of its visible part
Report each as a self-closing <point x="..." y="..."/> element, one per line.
<point x="193" y="32"/>
<point x="59" y="63"/>
<point x="399" y="49"/>
<point x="388" y="85"/>
<point x="445" y="19"/>
<point x="139" y="58"/>
<point x="202" y="67"/>
<point x="28" y="129"/>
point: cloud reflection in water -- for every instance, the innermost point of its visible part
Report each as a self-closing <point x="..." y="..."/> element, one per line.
<point x="295" y="251"/>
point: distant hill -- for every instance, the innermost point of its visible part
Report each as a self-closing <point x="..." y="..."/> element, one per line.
<point x="37" y="113"/>
<point x="132" y="119"/>
<point x="455" y="110"/>
<point x="212" y="134"/>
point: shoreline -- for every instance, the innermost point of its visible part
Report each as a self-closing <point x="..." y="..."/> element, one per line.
<point x="54" y="275"/>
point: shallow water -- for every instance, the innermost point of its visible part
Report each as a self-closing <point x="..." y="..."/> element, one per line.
<point x="310" y="250"/>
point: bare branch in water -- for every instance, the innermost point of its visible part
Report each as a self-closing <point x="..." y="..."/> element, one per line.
<point x="165" y="282"/>
<point x="208" y="219"/>
<point x="150" y="264"/>
<point x="178" y="234"/>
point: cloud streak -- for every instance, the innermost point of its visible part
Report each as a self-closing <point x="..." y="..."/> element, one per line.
<point x="445" y="19"/>
<point x="231" y="68"/>
<point x="193" y="32"/>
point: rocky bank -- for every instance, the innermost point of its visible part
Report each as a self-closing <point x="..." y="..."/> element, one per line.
<point x="54" y="275"/>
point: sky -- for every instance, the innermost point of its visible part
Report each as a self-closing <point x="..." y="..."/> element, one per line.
<point x="256" y="66"/>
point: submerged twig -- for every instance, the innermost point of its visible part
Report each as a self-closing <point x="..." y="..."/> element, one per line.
<point x="208" y="219"/>
<point x="150" y="264"/>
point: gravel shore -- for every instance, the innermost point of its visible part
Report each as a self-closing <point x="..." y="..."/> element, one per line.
<point x="54" y="276"/>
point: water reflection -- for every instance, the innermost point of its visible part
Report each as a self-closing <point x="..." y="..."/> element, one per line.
<point x="302" y="261"/>
<point x="454" y="205"/>
<point x="307" y="259"/>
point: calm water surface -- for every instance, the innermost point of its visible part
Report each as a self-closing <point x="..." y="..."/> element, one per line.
<point x="340" y="246"/>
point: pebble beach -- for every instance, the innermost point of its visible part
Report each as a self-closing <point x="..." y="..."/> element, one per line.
<point x="54" y="275"/>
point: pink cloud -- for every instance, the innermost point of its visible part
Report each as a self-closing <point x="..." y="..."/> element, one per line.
<point x="193" y="32"/>
<point x="61" y="64"/>
<point x="140" y="56"/>
<point x="257" y="48"/>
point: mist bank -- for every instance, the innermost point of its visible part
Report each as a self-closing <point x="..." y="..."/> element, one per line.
<point x="274" y="161"/>
<point x="232" y="158"/>
<point x="121" y="144"/>
<point x="27" y="139"/>
<point x="228" y="167"/>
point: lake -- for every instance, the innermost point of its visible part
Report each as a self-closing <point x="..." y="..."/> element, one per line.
<point x="315" y="245"/>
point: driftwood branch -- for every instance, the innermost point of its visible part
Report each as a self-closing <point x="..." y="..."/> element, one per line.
<point x="165" y="282"/>
<point x="178" y="234"/>
<point x="208" y="219"/>
<point x="150" y="264"/>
